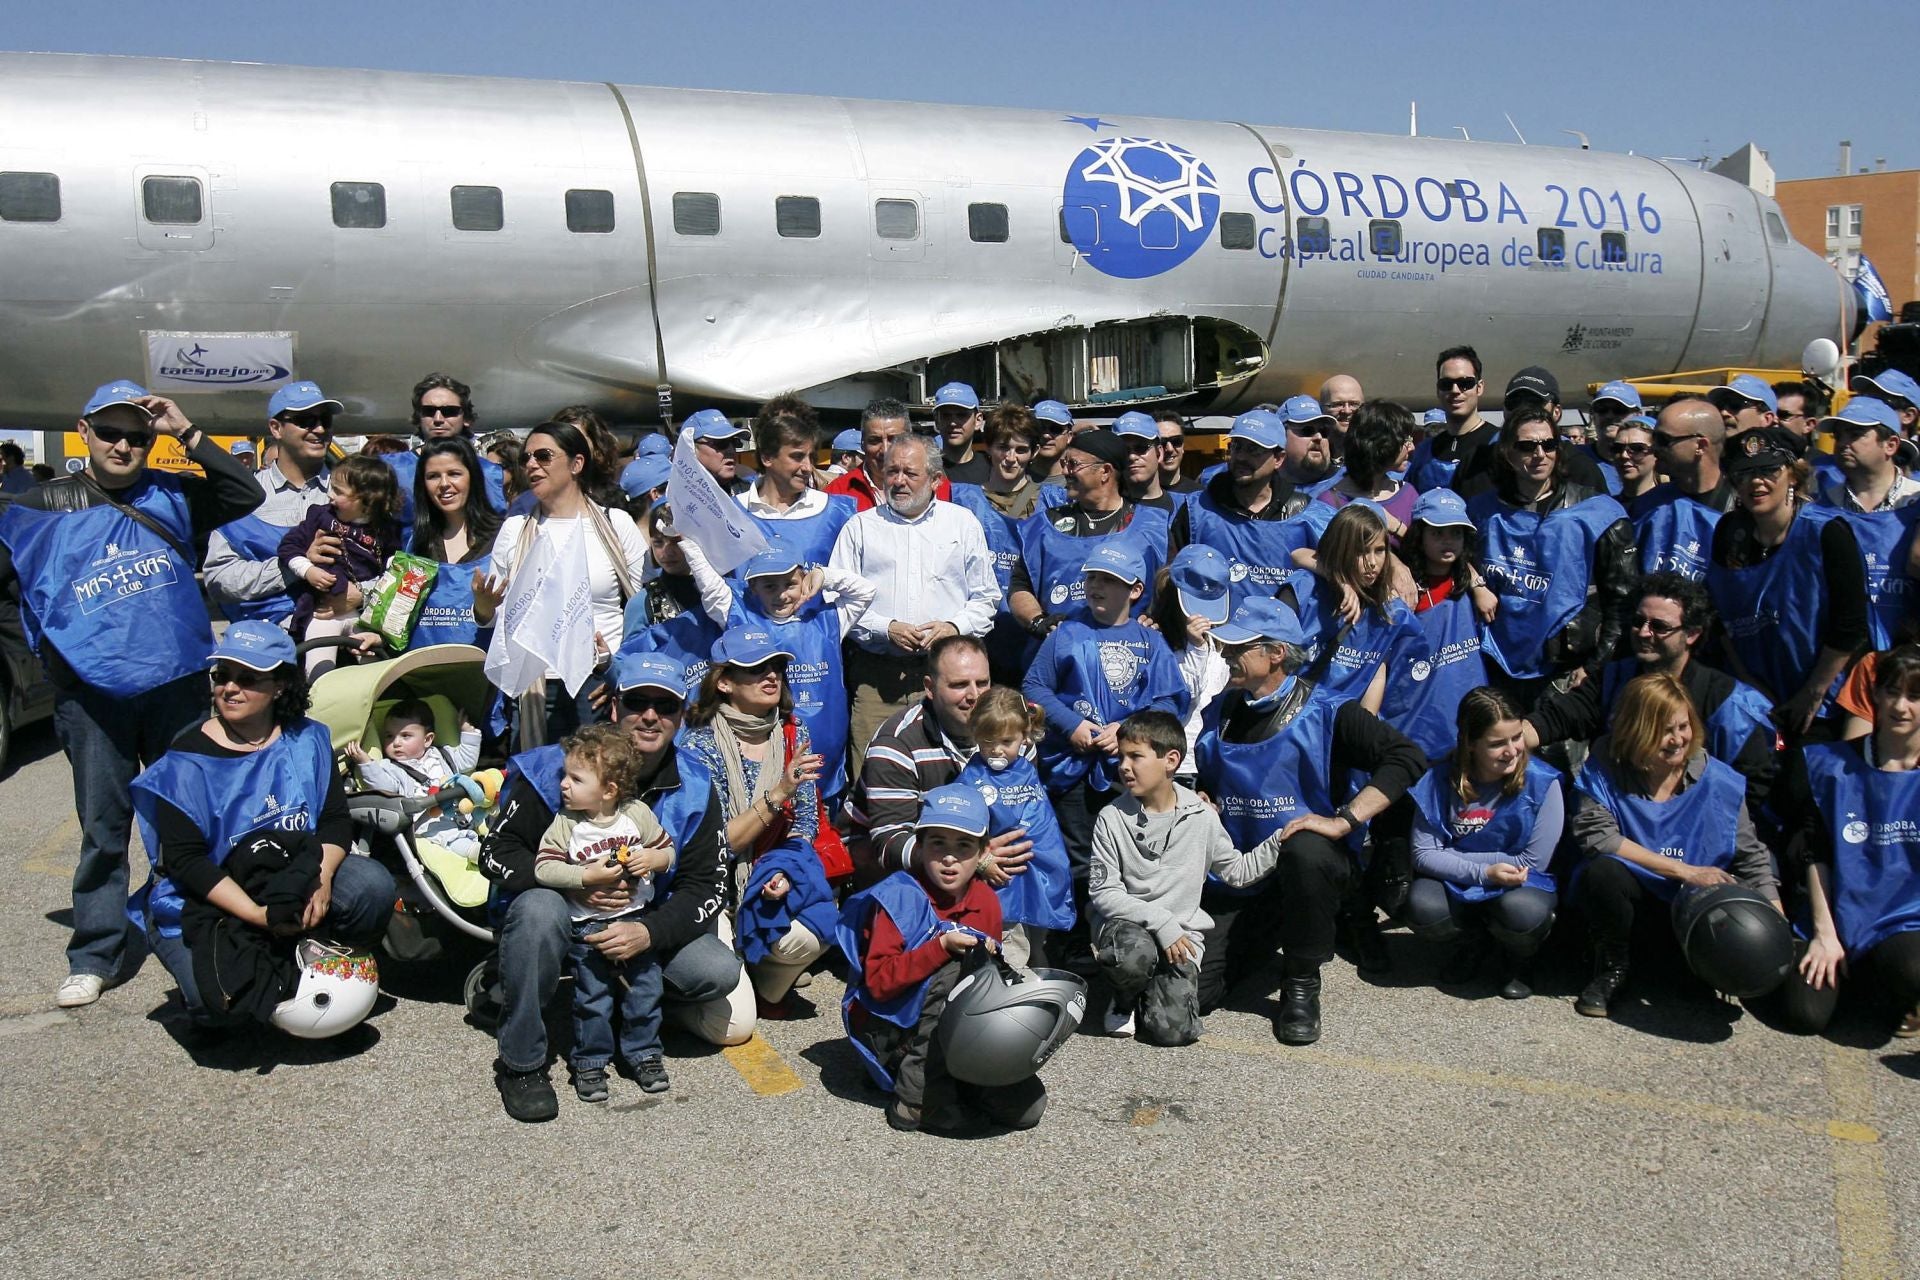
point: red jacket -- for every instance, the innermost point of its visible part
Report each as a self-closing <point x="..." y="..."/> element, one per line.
<point x="854" y="484"/>
<point x="888" y="968"/>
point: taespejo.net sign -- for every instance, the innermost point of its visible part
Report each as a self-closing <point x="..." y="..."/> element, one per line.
<point x="189" y="362"/>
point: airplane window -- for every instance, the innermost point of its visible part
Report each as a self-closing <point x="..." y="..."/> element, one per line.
<point x="29" y="197"/>
<point x="1236" y="231"/>
<point x="1613" y="246"/>
<point x="796" y="217"/>
<point x="1315" y="235"/>
<point x="1552" y="244"/>
<point x="1776" y="228"/>
<point x="477" y="209"/>
<point x="589" y="211"/>
<point x="1384" y="235"/>
<point x="175" y="201"/>
<point x="987" y="223"/>
<point x="896" y="219"/>
<point x="696" y="213"/>
<point x="359" y="205"/>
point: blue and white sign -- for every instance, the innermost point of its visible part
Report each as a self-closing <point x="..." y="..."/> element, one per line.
<point x="1137" y="207"/>
<point x="190" y="362"/>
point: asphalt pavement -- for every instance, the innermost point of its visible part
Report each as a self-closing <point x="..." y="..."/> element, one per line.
<point x="1431" y="1132"/>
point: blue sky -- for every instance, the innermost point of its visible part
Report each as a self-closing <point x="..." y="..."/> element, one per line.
<point x="1679" y="78"/>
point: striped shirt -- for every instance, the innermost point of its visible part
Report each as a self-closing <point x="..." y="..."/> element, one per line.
<point x="909" y="757"/>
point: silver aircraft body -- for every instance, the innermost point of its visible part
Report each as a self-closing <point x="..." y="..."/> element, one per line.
<point x="218" y="229"/>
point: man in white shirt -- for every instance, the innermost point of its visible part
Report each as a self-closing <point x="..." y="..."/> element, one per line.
<point x="932" y="575"/>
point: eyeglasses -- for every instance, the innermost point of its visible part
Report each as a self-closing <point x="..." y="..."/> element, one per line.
<point x="442" y="411"/>
<point x="1173" y="444"/>
<point x="1667" y="443"/>
<point x="1458" y="384"/>
<point x="136" y="438"/>
<point x="545" y="457"/>
<point x="245" y="677"/>
<point x="660" y="704"/>
<point x="1660" y="630"/>
<point x="308" y="421"/>
<point x="1528" y="447"/>
<point x="1075" y="468"/>
<point x="1635" y="450"/>
<point x="760" y="670"/>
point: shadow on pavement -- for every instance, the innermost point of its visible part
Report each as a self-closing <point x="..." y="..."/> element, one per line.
<point x="257" y="1049"/>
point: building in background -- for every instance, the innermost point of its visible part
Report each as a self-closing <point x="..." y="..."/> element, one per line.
<point x="1876" y="213"/>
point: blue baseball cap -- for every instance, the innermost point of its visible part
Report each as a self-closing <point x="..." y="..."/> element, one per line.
<point x="260" y="646"/>
<point x="1745" y="386"/>
<point x="1261" y="427"/>
<point x="1866" y="411"/>
<point x="1136" y="423"/>
<point x="711" y="424"/>
<point x="1302" y="409"/>
<point x="954" y="807"/>
<point x="1441" y="509"/>
<point x="1888" y="384"/>
<point x="777" y="561"/>
<point x="1201" y="579"/>
<point x="1434" y="418"/>
<point x="643" y="475"/>
<point x="1367" y="504"/>
<point x="1118" y="558"/>
<point x="956" y="393"/>
<point x="1621" y="393"/>
<point x="109" y="394"/>
<point x="1055" y="412"/>
<point x="653" y="445"/>
<point x="298" y="397"/>
<point x="1261" y="618"/>
<point x="650" y="671"/>
<point x="1637" y="420"/>
<point x="747" y="647"/>
<point x="847" y="441"/>
<point x="242" y="448"/>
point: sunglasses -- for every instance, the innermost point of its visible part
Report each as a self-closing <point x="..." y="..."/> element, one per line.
<point x="1458" y="384"/>
<point x="1665" y="442"/>
<point x="308" y="421"/>
<point x="1660" y="630"/>
<point x="545" y="457"/>
<point x="105" y="434"/>
<point x="760" y="670"/>
<point x="442" y="411"/>
<point x="1528" y="447"/>
<point x="1173" y="444"/>
<point x="1055" y="428"/>
<point x="1140" y="448"/>
<point x="245" y="677"/>
<point x="1635" y="450"/>
<point x="1307" y="429"/>
<point x="660" y="704"/>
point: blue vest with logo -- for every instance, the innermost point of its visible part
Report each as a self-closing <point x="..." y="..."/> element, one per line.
<point x="1772" y="610"/>
<point x="1505" y="828"/>
<point x="1042" y="895"/>
<point x="404" y="466"/>
<point x="1674" y="532"/>
<point x="446" y="615"/>
<point x="117" y="602"/>
<point x="809" y="537"/>
<point x="1426" y="683"/>
<point x="1371" y="642"/>
<point x="905" y="901"/>
<point x="814" y="677"/>
<point x="282" y="787"/>
<point x="1885" y="538"/>
<point x="1055" y="560"/>
<point x="1540" y="566"/>
<point x="255" y="539"/>
<point x="1262" y="786"/>
<point x="1106" y="674"/>
<point x="1259" y="552"/>
<point x="1874" y="816"/>
<point x="1698" y="826"/>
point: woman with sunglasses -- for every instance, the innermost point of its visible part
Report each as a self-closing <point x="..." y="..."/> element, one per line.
<point x="578" y="514"/>
<point x="1789" y="582"/>
<point x="1559" y="556"/>
<point x="250" y="794"/>
<point x="1632" y="454"/>
<point x="743" y="730"/>
<point x="454" y="523"/>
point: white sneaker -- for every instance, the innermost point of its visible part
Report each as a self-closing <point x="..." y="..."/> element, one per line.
<point x="79" y="989"/>
<point x="1118" y="1021"/>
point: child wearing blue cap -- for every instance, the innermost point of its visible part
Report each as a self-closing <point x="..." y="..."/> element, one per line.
<point x="1187" y="606"/>
<point x="1424" y="692"/>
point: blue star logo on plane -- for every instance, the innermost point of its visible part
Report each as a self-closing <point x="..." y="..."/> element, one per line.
<point x="1094" y="123"/>
<point x="1137" y="207"/>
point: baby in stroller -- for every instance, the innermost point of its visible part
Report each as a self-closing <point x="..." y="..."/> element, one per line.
<point x="413" y="764"/>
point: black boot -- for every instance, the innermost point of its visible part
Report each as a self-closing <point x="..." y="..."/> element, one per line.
<point x="1359" y="930"/>
<point x="1299" y="1020"/>
<point x="1517" y="980"/>
<point x="1609" y="975"/>
<point x="1463" y="966"/>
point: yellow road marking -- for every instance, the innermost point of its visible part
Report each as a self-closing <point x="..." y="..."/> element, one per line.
<point x="762" y="1067"/>
<point x="58" y="854"/>
<point x="1861" y="1213"/>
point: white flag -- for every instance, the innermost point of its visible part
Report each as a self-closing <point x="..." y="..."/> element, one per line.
<point x="545" y="624"/>
<point x="704" y="512"/>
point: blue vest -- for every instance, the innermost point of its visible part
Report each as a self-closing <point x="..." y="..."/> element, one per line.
<point x="1106" y="674"/>
<point x="253" y="538"/>
<point x="404" y="466"/>
<point x="1540" y="567"/>
<point x="282" y="787"/>
<point x="1055" y="560"/>
<point x="810" y="537"/>
<point x="1772" y="610"/>
<point x="1262" y="786"/>
<point x="905" y="901"/>
<point x="1745" y="711"/>
<point x="1503" y="829"/>
<point x="1368" y="644"/>
<point x="814" y="676"/>
<point x="687" y="636"/>
<point x="680" y="811"/>
<point x="1698" y="826"/>
<point x="117" y="602"/>
<point x="1259" y="552"/>
<point x="1674" y="532"/>
<point x="1874" y="816"/>
<point x="1885" y="537"/>
<point x="760" y="922"/>
<point x="446" y="615"/>
<point x="1425" y="684"/>
<point x="1424" y="471"/>
<point x="1042" y="895"/>
<point x="542" y="768"/>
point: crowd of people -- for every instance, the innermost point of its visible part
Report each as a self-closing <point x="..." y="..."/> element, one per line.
<point x="1004" y="682"/>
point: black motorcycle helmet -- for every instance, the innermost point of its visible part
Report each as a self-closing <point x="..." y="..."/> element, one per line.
<point x="1733" y="938"/>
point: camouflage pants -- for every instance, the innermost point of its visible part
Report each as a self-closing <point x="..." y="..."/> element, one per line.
<point x="1165" y="997"/>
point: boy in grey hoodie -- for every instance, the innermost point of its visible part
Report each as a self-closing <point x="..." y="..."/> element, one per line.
<point x="1152" y="849"/>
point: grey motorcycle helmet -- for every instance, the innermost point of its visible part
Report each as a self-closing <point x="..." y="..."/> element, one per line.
<point x="1001" y="1024"/>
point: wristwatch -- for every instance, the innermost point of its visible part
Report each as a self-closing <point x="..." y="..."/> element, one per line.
<point x="1345" y="814"/>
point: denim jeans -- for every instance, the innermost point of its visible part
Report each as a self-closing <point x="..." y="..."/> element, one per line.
<point x="363" y="892"/>
<point x="533" y="942"/>
<point x="108" y="740"/>
<point x="596" y="992"/>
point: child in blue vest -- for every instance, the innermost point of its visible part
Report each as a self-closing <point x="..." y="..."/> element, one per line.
<point x="904" y="939"/>
<point x="1088" y="677"/>
<point x="603" y="836"/>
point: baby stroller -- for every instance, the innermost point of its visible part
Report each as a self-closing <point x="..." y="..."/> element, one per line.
<point x="443" y="897"/>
